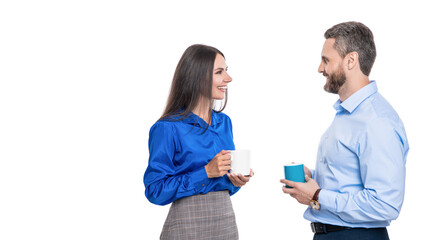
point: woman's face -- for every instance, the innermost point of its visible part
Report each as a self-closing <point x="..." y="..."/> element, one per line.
<point x="220" y="78"/>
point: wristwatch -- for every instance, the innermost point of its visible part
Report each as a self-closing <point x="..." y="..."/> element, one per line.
<point x="314" y="203"/>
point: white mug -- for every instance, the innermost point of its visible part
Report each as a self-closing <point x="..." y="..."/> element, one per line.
<point x="240" y="162"/>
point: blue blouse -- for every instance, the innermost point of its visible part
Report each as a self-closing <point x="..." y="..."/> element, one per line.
<point x="178" y="152"/>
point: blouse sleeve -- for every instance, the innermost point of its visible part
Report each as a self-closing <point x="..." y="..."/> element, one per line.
<point x="163" y="184"/>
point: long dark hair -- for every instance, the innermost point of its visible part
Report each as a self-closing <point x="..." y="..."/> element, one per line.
<point x="192" y="80"/>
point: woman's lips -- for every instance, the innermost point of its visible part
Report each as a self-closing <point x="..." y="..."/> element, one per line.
<point x="223" y="88"/>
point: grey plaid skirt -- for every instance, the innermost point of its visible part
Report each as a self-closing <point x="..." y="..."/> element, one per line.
<point x="209" y="216"/>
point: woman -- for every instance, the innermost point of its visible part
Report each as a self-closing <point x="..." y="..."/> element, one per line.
<point x="188" y="151"/>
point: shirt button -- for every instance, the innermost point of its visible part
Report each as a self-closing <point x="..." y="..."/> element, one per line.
<point x="202" y="184"/>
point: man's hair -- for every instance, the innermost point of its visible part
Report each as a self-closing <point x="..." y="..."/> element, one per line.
<point x="354" y="37"/>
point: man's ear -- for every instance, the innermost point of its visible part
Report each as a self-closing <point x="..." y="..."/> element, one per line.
<point x="352" y="59"/>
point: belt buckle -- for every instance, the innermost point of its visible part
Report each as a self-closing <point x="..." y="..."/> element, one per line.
<point x="313" y="227"/>
<point x="318" y="228"/>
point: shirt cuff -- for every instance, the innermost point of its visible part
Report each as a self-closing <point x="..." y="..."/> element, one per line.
<point x="327" y="200"/>
<point x="199" y="178"/>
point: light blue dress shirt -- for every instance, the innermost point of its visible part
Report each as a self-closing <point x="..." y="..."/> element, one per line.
<point x="178" y="152"/>
<point x="361" y="163"/>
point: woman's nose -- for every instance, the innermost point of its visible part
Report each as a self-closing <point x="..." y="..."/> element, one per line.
<point x="228" y="78"/>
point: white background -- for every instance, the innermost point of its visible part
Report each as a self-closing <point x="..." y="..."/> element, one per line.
<point x="83" y="81"/>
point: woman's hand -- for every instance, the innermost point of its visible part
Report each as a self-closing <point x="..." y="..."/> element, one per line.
<point x="219" y="165"/>
<point x="240" y="180"/>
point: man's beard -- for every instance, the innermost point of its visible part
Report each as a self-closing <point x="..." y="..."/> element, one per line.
<point x="336" y="80"/>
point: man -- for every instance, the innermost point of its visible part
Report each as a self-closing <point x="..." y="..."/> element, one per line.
<point x="359" y="181"/>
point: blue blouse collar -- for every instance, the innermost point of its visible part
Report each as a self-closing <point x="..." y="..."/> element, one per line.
<point x="192" y="118"/>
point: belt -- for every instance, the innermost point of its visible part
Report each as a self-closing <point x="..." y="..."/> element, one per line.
<point x="325" y="228"/>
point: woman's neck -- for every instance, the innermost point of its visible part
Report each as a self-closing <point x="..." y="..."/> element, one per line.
<point x="202" y="111"/>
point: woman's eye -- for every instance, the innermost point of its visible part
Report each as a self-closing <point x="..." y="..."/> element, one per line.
<point x="219" y="72"/>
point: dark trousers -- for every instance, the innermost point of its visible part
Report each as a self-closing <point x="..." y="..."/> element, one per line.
<point x="354" y="234"/>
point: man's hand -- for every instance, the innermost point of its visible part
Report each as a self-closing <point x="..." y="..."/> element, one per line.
<point x="302" y="192"/>
<point x="307" y="172"/>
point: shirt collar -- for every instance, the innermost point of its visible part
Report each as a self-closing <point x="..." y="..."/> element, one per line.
<point x="351" y="103"/>
<point x="191" y="118"/>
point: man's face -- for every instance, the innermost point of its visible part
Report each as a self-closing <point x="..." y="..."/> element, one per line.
<point x="331" y="67"/>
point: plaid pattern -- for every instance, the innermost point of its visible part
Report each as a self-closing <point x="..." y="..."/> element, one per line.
<point x="200" y="217"/>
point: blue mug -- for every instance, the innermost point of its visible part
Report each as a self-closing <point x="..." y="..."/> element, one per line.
<point x="294" y="172"/>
